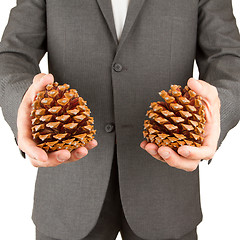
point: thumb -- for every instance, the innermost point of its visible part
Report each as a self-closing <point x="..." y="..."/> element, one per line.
<point x="201" y="88"/>
<point x="196" y="86"/>
<point x="40" y="81"/>
<point x="208" y="92"/>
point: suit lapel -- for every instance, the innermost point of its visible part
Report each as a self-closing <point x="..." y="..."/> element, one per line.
<point x="133" y="11"/>
<point x="106" y="8"/>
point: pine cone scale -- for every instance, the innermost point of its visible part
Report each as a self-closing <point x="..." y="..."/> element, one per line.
<point x="58" y="116"/>
<point x="178" y="121"/>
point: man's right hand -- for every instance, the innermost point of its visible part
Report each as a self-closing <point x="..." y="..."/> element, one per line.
<point x="37" y="156"/>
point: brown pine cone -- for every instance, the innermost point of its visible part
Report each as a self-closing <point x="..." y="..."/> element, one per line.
<point x="61" y="119"/>
<point x="178" y="121"/>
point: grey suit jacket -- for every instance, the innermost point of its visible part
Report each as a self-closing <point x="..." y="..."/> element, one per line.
<point x="159" y="43"/>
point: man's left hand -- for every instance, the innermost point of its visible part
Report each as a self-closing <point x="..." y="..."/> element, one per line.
<point x="188" y="157"/>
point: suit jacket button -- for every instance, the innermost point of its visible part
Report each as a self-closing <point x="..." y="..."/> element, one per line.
<point x="109" y="127"/>
<point x="117" y="67"/>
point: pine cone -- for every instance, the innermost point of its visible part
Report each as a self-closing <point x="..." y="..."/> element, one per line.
<point x="60" y="119"/>
<point x="178" y="121"/>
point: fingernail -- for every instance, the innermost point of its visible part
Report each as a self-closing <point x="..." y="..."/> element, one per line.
<point x="152" y="152"/>
<point x="165" y="155"/>
<point x="61" y="158"/>
<point x="78" y="155"/>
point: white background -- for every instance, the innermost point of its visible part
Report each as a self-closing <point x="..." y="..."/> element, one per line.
<point x="219" y="181"/>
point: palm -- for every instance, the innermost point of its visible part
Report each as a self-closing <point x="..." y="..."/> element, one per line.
<point x="188" y="157"/>
<point x="38" y="157"/>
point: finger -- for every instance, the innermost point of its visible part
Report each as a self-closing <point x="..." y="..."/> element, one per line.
<point x="34" y="162"/>
<point x="82" y="151"/>
<point x="38" y="77"/>
<point x="64" y="156"/>
<point x="196" y="153"/>
<point x="204" y="89"/>
<point x="143" y="144"/>
<point x="152" y="149"/>
<point x="177" y="161"/>
<point x="78" y="154"/>
<point x="58" y="157"/>
<point x="28" y="146"/>
<point x="54" y="159"/>
<point x="40" y="81"/>
<point x="91" y="145"/>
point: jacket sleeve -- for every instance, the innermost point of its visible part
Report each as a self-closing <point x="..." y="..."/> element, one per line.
<point x="22" y="47"/>
<point x="218" y="57"/>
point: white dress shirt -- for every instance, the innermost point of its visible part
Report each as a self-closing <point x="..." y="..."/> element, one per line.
<point x="119" y="8"/>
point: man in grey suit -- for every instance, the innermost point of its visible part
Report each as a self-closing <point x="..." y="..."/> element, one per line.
<point x="118" y="186"/>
